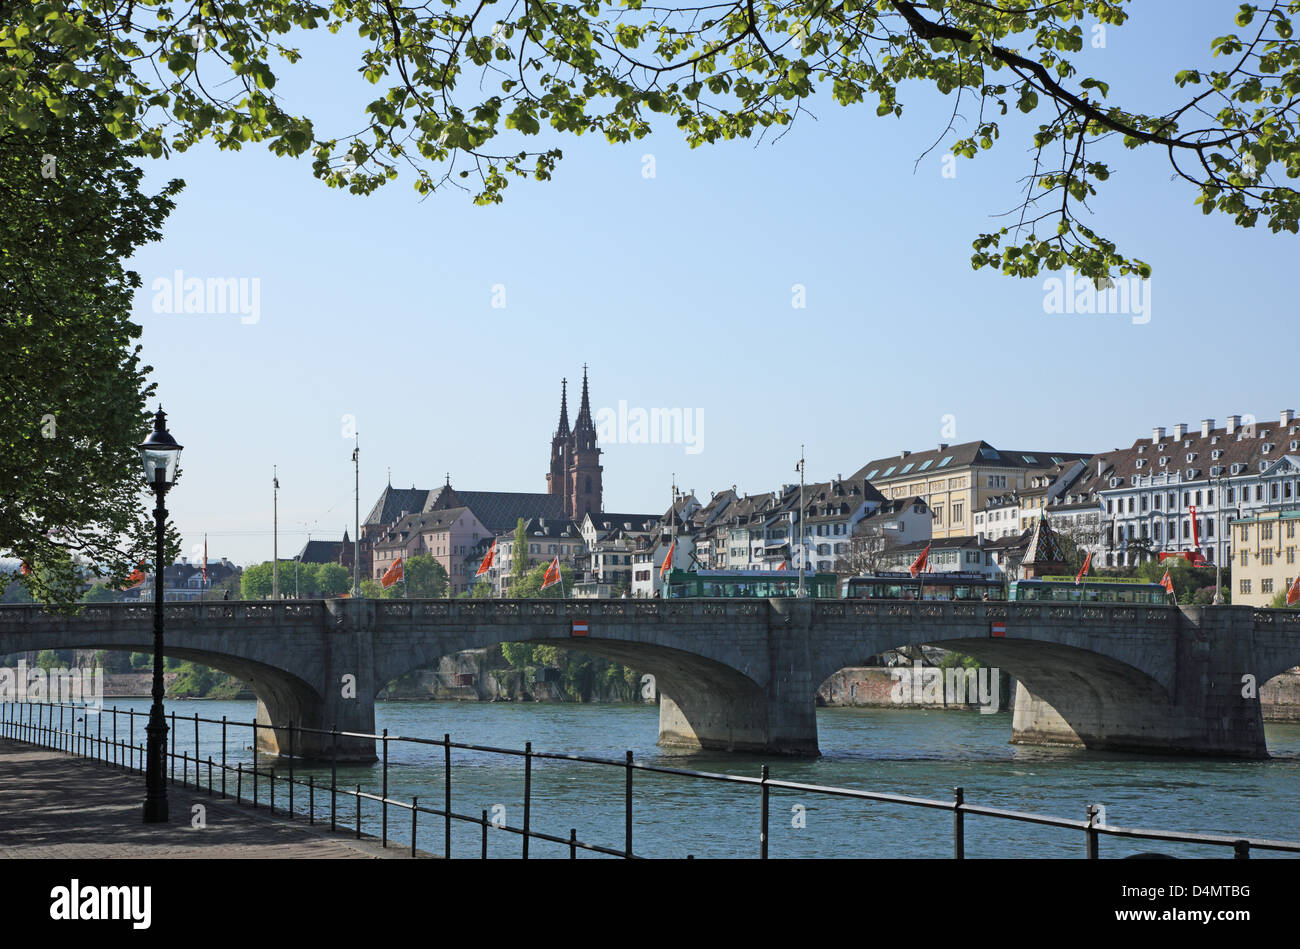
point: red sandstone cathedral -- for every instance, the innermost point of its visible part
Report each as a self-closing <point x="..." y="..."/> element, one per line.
<point x="575" y="459"/>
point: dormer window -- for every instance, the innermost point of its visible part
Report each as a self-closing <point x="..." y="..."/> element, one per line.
<point x="1268" y="446"/>
<point x="1141" y="462"/>
<point x="1236" y="468"/>
<point x="1164" y="460"/>
<point x="1191" y="456"/>
<point x="1216" y="454"/>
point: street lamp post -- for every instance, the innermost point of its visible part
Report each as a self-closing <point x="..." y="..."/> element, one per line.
<point x="159" y="454"/>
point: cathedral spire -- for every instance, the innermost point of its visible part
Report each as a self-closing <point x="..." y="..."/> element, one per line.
<point x="584" y="423"/>
<point x="564" y="408"/>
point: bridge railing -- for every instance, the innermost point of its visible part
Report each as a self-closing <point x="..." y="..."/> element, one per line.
<point x="55" y="725"/>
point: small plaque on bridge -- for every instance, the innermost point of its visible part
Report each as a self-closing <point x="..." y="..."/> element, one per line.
<point x="580" y="627"/>
<point x="998" y="629"/>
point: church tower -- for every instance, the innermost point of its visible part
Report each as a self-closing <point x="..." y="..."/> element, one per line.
<point x="575" y="473"/>
<point x="585" y="468"/>
<point x="557" y="480"/>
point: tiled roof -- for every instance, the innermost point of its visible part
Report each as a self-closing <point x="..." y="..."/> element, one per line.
<point x="498" y="510"/>
<point x="925" y="463"/>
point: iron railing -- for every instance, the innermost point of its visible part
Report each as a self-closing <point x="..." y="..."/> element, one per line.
<point x="35" y="723"/>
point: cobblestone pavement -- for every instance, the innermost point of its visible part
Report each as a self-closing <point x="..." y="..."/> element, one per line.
<point x="53" y="805"/>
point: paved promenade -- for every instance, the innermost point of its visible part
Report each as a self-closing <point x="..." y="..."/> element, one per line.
<point x="53" y="805"/>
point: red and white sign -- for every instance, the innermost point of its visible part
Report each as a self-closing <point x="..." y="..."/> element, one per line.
<point x="580" y="627"/>
<point x="998" y="629"/>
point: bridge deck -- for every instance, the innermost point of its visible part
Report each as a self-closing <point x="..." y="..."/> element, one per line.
<point x="53" y="805"/>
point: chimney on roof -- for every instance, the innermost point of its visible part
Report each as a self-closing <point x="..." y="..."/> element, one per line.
<point x="1157" y="435"/>
<point x="1180" y="430"/>
<point x="904" y="453"/>
<point x="1233" y="422"/>
<point x="1207" y="425"/>
<point x="1098" y="467"/>
<point x="1288" y="415"/>
<point x="943" y="446"/>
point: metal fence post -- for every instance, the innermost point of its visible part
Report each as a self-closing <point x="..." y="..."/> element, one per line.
<point x="763" y="825"/>
<point x="358" y="812"/>
<point x="311" y="799"/>
<point x="1241" y="850"/>
<point x="958" y="825"/>
<point x="291" y="756"/>
<point x="173" y="746"/>
<point x="573" y="843"/>
<point x="383" y="804"/>
<point x="415" y="804"/>
<point x="223" y="756"/>
<point x="239" y="783"/>
<point x="254" y="763"/>
<point x="627" y="805"/>
<point x="485" y="826"/>
<point x="334" y="774"/>
<point x="1092" y="835"/>
<point x="528" y="790"/>
<point x="446" y="795"/>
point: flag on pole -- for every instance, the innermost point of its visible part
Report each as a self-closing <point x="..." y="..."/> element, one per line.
<point x="25" y="569"/>
<point x="668" y="560"/>
<point x="1196" y="533"/>
<point x="392" y="574"/>
<point x="784" y="565"/>
<point x="1083" y="571"/>
<point x="1168" y="583"/>
<point x="1293" y="594"/>
<point x="488" y="560"/>
<point x="136" y="577"/>
<point x="919" y="563"/>
<point x="552" y="575"/>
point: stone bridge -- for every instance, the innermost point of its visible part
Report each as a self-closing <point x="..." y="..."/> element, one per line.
<point x="738" y="675"/>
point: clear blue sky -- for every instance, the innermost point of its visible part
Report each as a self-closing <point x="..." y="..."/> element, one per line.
<point x="677" y="291"/>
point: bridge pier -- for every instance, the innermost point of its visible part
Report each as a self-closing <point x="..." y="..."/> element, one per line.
<point x="1210" y="706"/>
<point x="341" y="695"/>
<point x="725" y="714"/>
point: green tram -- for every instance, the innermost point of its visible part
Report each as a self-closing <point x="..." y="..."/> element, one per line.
<point x="748" y="583"/>
<point x="1109" y="590"/>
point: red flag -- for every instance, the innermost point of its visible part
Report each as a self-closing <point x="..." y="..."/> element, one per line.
<point x="392" y="574"/>
<point x="488" y="560"/>
<point x="1293" y="594"/>
<point x="1168" y="583"/>
<point x="919" y="563"/>
<point x="25" y="569"/>
<point x="552" y="575"/>
<point x="668" y="561"/>
<point x="136" y="577"/>
<point x="784" y="566"/>
<point x="1084" y="569"/>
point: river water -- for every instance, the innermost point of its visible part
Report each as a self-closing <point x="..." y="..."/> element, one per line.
<point x="916" y="752"/>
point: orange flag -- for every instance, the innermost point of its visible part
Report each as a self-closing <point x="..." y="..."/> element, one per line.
<point x="919" y="563"/>
<point x="1293" y="594"/>
<point x="552" y="576"/>
<point x="1083" y="571"/>
<point x="136" y="577"/>
<point x="25" y="569"/>
<point x="1168" y="583"/>
<point x="784" y="566"/>
<point x="488" y="559"/>
<point x="668" y="561"/>
<point x="392" y="574"/>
